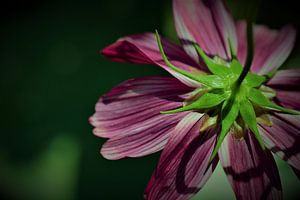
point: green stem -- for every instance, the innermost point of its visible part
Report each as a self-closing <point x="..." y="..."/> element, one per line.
<point x="249" y="53"/>
<point x="251" y="12"/>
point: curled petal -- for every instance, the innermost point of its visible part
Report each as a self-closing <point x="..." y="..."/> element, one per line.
<point x="130" y="116"/>
<point x="252" y="173"/>
<point x="183" y="167"/>
<point x="143" y="49"/>
<point x="207" y="23"/>
<point x="283" y="137"/>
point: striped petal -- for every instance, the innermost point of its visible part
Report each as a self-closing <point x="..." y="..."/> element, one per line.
<point x="290" y="99"/>
<point x="207" y="23"/>
<point x="147" y="140"/>
<point x="283" y="137"/>
<point x="252" y="173"/>
<point x="242" y="41"/>
<point x="284" y="79"/>
<point x="130" y="116"/>
<point x="183" y="167"/>
<point x="272" y="48"/>
<point x="286" y="83"/>
<point x="143" y="49"/>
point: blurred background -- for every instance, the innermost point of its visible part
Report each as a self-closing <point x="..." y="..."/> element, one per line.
<point x="51" y="77"/>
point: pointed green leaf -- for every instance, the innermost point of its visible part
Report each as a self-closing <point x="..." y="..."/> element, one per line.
<point x="208" y="100"/>
<point x="213" y="81"/>
<point x="257" y="97"/>
<point x="208" y="80"/>
<point x="229" y="114"/>
<point x="271" y="74"/>
<point x="236" y="67"/>
<point x="215" y="68"/>
<point x="185" y="73"/>
<point x="249" y="117"/>
<point x="254" y="80"/>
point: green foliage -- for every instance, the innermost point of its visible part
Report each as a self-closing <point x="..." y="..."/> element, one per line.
<point x="235" y="85"/>
<point x="229" y="114"/>
<point x="258" y="98"/>
<point x="248" y="114"/>
<point x="208" y="100"/>
<point x="214" y="67"/>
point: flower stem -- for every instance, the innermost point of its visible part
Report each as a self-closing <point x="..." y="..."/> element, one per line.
<point x="249" y="52"/>
<point x="251" y="12"/>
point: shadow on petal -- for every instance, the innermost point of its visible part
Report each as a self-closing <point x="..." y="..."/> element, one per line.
<point x="252" y="172"/>
<point x="180" y="183"/>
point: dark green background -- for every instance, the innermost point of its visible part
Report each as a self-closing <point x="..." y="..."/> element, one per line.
<point x="51" y="77"/>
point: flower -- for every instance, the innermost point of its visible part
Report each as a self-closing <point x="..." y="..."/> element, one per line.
<point x="213" y="110"/>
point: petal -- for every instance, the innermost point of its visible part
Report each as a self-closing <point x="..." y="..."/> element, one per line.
<point x="283" y="137"/>
<point x="183" y="167"/>
<point x="130" y="116"/>
<point x="286" y="83"/>
<point x="135" y="105"/>
<point x="290" y="99"/>
<point x="285" y="79"/>
<point x="252" y="173"/>
<point x="271" y="48"/>
<point x="149" y="139"/>
<point x="207" y="23"/>
<point x="242" y="41"/>
<point x="143" y="49"/>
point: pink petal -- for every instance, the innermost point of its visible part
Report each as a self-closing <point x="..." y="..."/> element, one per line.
<point x="242" y="41"/>
<point x="283" y="138"/>
<point x="290" y="99"/>
<point x="134" y="102"/>
<point x="286" y="83"/>
<point x="252" y="173"/>
<point x="130" y="116"/>
<point x="207" y="23"/>
<point x="149" y="138"/>
<point x="143" y="49"/>
<point x="272" y="48"/>
<point x="183" y="167"/>
<point x="285" y="79"/>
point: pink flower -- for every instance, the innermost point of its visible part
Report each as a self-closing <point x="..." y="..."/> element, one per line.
<point x="130" y="114"/>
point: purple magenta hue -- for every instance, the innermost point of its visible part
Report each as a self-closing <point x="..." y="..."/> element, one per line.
<point x="129" y="115"/>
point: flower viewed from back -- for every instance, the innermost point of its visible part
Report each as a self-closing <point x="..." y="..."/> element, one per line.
<point x="213" y="110"/>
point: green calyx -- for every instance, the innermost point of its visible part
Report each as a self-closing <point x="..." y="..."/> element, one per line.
<point x="231" y="91"/>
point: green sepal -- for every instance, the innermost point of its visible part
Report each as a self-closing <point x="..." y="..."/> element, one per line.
<point x="208" y="100"/>
<point x="207" y="80"/>
<point x="213" y="81"/>
<point x="249" y="117"/>
<point x="254" y="80"/>
<point x="229" y="114"/>
<point x="271" y="74"/>
<point x="213" y="67"/>
<point x="236" y="67"/>
<point x="257" y="97"/>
